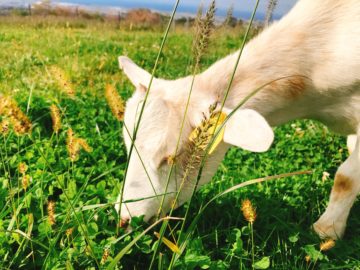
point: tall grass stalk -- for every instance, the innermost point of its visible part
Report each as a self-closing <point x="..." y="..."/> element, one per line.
<point x="269" y="12"/>
<point x="252" y="245"/>
<point x="222" y="105"/>
<point x="203" y="31"/>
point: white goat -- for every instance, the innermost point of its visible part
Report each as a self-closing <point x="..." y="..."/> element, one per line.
<point x="317" y="44"/>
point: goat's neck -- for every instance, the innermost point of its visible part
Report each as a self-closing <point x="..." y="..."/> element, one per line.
<point x="276" y="63"/>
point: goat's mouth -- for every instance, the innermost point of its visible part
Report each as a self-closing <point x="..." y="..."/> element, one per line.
<point x="125" y="223"/>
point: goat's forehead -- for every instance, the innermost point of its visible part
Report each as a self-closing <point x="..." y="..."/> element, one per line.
<point x="157" y="121"/>
<point x="154" y="108"/>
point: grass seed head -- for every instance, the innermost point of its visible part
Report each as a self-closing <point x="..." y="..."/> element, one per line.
<point x="10" y="111"/>
<point x="115" y="102"/>
<point x="62" y="80"/>
<point x="69" y="232"/>
<point x="4" y="126"/>
<point x="326" y="245"/>
<point x="25" y="181"/>
<point x="249" y="211"/>
<point x="203" y="29"/>
<point x="325" y="176"/>
<point x="22" y="167"/>
<point x="51" y="212"/>
<point x="105" y="256"/>
<point x="269" y="11"/>
<point x="56" y="118"/>
<point x="83" y="143"/>
<point x="199" y="140"/>
<point x="203" y="133"/>
<point x="74" y="145"/>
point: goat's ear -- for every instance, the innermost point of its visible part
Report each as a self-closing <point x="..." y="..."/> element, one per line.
<point x="249" y="130"/>
<point x="139" y="77"/>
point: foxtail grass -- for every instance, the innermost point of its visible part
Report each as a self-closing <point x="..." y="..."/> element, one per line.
<point x="115" y="102"/>
<point x="180" y="240"/>
<point x="51" y="212"/>
<point x="63" y="81"/>
<point x="12" y="114"/>
<point x="249" y="213"/>
<point x="204" y="26"/>
<point x="75" y="144"/>
<point x="56" y="118"/>
<point x="326" y="245"/>
<point x="203" y="31"/>
<point x="270" y="11"/>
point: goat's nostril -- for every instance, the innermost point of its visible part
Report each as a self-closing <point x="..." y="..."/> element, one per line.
<point x="124" y="222"/>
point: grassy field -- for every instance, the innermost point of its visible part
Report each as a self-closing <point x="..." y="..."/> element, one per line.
<point x="82" y="231"/>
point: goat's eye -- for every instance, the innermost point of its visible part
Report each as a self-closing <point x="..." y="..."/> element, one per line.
<point x="168" y="160"/>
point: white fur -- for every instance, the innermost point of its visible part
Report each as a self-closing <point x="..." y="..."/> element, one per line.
<point x="315" y="49"/>
<point x="248" y="130"/>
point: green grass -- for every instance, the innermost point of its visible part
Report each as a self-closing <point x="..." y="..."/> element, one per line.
<point x="85" y="190"/>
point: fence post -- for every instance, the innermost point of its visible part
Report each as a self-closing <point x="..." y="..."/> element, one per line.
<point x="29" y="9"/>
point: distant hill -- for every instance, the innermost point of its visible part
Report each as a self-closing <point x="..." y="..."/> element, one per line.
<point x="103" y="5"/>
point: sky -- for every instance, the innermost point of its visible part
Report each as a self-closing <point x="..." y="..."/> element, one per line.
<point x="242" y="8"/>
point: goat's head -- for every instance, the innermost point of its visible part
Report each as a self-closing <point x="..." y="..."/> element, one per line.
<point x="162" y="161"/>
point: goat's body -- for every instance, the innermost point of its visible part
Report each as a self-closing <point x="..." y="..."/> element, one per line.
<point x="318" y="45"/>
<point x="310" y="61"/>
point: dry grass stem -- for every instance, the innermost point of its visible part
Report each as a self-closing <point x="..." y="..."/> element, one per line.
<point x="115" y="102"/>
<point x="173" y="247"/>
